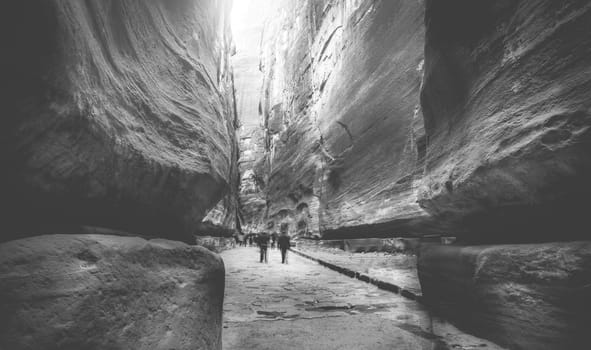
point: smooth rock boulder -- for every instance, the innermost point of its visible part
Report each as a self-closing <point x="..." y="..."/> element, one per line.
<point x="505" y="98"/>
<point x="117" y="113"/>
<point x="107" y="292"/>
<point x="529" y="296"/>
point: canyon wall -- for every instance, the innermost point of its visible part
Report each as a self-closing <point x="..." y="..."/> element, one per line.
<point x="492" y="148"/>
<point x="248" y="22"/>
<point x="119" y="114"/>
<point x="118" y="117"/>
<point x="344" y="139"/>
<point x="496" y="144"/>
<point x="439" y="118"/>
<point x="252" y="186"/>
<point x="507" y="116"/>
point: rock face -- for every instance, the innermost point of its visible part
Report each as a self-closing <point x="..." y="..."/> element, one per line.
<point x="118" y="114"/>
<point x="252" y="169"/>
<point x="106" y="292"/>
<point x="507" y="115"/>
<point x="496" y="148"/>
<point x="344" y="137"/>
<point x="467" y="118"/>
<point x="535" y="296"/>
<point x="248" y="21"/>
<point x="506" y="106"/>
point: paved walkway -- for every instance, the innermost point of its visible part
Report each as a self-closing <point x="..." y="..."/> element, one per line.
<point x="303" y="305"/>
<point x="396" y="269"/>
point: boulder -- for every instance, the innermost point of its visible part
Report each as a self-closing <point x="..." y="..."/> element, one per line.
<point x="108" y="292"/>
<point x="521" y="296"/>
<point x="505" y="99"/>
<point x="118" y="113"/>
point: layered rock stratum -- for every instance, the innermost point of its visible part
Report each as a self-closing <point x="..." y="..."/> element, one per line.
<point x="507" y="115"/>
<point x="118" y="114"/>
<point x="506" y="106"/>
<point x="341" y="117"/>
<point x="107" y="292"/>
<point x="466" y="118"/>
<point x="248" y="19"/>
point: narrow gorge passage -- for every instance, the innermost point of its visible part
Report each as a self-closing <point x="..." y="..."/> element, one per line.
<point x="304" y="306"/>
<point x="457" y="132"/>
<point x="438" y="148"/>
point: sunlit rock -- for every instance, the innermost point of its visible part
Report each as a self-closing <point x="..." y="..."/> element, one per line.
<point x="341" y="111"/>
<point x="117" y="114"/>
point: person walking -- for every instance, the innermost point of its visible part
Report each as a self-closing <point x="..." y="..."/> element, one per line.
<point x="273" y="240"/>
<point x="284" y="244"/>
<point x="263" y="242"/>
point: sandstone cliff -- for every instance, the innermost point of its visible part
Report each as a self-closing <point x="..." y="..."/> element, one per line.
<point x="462" y="118"/>
<point x="252" y="186"/>
<point x="249" y="17"/>
<point x="507" y="116"/>
<point x="119" y="114"/>
<point x="506" y="105"/>
<point x="495" y="150"/>
<point x="344" y="136"/>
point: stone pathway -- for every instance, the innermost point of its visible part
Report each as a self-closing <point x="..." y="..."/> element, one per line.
<point x="303" y="305"/>
<point x="396" y="269"/>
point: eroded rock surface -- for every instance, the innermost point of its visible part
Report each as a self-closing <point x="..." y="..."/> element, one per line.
<point x="495" y="150"/>
<point x="534" y="296"/>
<point x="507" y="115"/>
<point x="249" y="17"/>
<point x="500" y="135"/>
<point x="252" y="185"/>
<point x="342" y="121"/>
<point x="118" y="114"/>
<point x="107" y="292"/>
<point x="506" y="105"/>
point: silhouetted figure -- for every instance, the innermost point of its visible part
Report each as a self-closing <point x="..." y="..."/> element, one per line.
<point x="263" y="242"/>
<point x="273" y="240"/>
<point x="284" y="244"/>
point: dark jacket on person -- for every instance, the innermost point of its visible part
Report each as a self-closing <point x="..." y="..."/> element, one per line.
<point x="283" y="242"/>
<point x="263" y="240"/>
